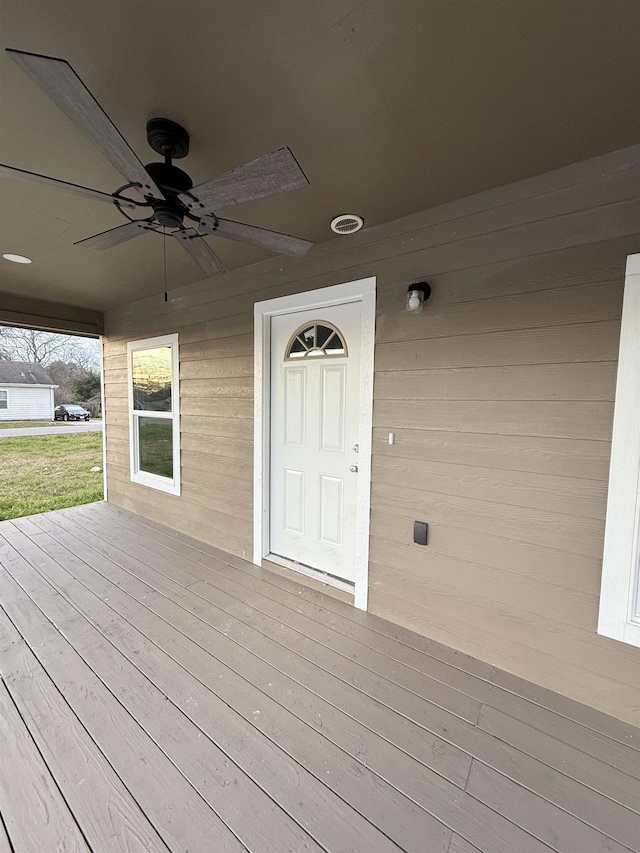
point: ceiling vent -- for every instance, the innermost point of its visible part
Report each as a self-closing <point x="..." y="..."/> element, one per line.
<point x="347" y="223"/>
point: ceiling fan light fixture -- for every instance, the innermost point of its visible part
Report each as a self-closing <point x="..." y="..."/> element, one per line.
<point x="347" y="223"/>
<point x="17" y="259"/>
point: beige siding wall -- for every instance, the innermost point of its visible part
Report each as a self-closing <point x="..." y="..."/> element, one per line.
<point x="501" y="398"/>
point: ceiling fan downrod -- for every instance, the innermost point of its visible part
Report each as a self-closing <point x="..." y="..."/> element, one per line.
<point x="170" y="140"/>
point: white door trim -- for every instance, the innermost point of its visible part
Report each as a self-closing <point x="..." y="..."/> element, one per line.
<point x="363" y="291"/>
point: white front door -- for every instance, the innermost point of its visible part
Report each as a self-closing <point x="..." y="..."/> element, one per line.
<point x="315" y="393"/>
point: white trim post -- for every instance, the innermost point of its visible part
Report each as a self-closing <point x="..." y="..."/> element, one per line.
<point x="619" y="617"/>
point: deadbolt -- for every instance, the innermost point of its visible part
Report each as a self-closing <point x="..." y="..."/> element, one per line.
<point x="356" y="448"/>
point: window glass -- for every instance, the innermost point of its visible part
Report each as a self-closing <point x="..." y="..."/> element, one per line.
<point x="316" y="340"/>
<point x="154" y="418"/>
<point x="334" y="346"/>
<point x="155" y="444"/>
<point x="152" y="379"/>
<point x="323" y="333"/>
<point x="3" y="400"/>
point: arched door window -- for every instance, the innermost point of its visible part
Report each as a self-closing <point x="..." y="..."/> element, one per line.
<point x="316" y="340"/>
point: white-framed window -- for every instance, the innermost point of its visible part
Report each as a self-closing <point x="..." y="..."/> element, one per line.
<point x="4" y="399"/>
<point x="620" y="592"/>
<point x="154" y="413"/>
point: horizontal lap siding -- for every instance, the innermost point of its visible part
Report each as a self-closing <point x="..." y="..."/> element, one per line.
<point x="216" y="448"/>
<point x="500" y="395"/>
<point x="502" y="409"/>
<point x="24" y="404"/>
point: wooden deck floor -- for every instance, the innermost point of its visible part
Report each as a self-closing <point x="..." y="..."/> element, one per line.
<point x="159" y="695"/>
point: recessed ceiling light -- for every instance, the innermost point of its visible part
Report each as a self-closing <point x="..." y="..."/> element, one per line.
<point x="347" y="223"/>
<point x="17" y="259"/>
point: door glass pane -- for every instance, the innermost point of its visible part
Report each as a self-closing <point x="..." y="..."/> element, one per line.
<point x="155" y="443"/>
<point x="315" y="341"/>
<point x="152" y="379"/>
<point x="297" y="348"/>
<point x="323" y="333"/>
<point x="335" y="346"/>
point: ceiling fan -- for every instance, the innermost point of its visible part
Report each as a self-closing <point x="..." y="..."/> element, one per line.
<point x="162" y="192"/>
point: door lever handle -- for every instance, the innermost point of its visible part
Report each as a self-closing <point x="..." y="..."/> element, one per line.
<point x="353" y="469"/>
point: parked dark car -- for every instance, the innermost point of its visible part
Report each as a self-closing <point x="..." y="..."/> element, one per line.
<point x="70" y="413"/>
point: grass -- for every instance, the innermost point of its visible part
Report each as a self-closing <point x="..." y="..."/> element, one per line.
<point x="24" y="424"/>
<point x="40" y="473"/>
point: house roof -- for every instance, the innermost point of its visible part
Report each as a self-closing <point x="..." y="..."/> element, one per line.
<point x="23" y="373"/>
<point x="389" y="106"/>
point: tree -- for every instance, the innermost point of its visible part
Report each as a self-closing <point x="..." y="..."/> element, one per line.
<point x="63" y="375"/>
<point x="67" y="359"/>
<point x="87" y="386"/>
<point x="46" y="348"/>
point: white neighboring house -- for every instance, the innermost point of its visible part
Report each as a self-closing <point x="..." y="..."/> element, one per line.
<point x="26" y="392"/>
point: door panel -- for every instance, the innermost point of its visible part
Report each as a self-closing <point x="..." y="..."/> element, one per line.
<point x="294" y="407"/>
<point x="330" y="510"/>
<point x="332" y="408"/>
<point x="315" y="398"/>
<point x="294" y="501"/>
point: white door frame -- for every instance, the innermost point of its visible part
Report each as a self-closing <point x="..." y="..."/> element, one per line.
<point x="363" y="291"/>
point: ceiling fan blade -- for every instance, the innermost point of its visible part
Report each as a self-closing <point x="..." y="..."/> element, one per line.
<point x="272" y="174"/>
<point x="271" y="240"/>
<point x="114" y="236"/>
<point x="61" y="83"/>
<point x="201" y="252"/>
<point x="22" y="175"/>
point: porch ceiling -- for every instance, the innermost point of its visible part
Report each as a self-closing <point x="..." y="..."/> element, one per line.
<point x="390" y="106"/>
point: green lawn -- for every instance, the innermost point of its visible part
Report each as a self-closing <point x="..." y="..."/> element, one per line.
<point x="39" y="473"/>
<point x="24" y="424"/>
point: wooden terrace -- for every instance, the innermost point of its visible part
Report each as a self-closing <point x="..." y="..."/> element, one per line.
<point x="160" y="695"/>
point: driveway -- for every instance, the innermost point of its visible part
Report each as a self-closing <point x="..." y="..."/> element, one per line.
<point x="63" y="428"/>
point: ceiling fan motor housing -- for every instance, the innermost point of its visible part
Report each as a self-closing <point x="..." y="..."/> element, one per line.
<point x="172" y="181"/>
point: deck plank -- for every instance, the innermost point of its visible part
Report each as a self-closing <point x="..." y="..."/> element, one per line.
<point x="153" y="779"/>
<point x="342" y="617"/>
<point x="346" y="828"/>
<point x="540" y="817"/>
<point x="446" y="803"/>
<point x="569" y="794"/>
<point x="272" y="641"/>
<point x="579" y="765"/>
<point x="316" y="634"/>
<point x="396" y="815"/>
<point x="368" y="737"/>
<point x="460" y="845"/>
<point x="594" y="743"/>
<point x="33" y="809"/>
<point x="110" y="818"/>
<point x="256" y="819"/>
<point x="605" y="738"/>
